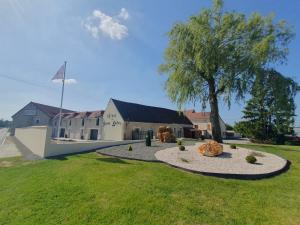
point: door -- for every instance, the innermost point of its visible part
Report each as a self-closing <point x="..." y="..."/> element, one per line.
<point x="94" y="134"/>
<point x="62" y="133"/>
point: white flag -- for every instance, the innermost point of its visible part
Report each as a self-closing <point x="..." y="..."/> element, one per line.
<point x="60" y="73"/>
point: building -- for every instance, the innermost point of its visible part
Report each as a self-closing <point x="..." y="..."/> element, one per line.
<point x="79" y="125"/>
<point x="202" y="124"/>
<point x="35" y="114"/>
<point x="125" y="121"/>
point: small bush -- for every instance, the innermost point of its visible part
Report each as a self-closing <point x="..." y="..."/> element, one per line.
<point x="232" y="146"/>
<point x="251" y="159"/>
<point x="130" y="148"/>
<point x="181" y="148"/>
<point x="179" y="142"/>
<point x="148" y="140"/>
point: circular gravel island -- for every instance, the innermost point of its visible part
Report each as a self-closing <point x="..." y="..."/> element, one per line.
<point x="230" y="164"/>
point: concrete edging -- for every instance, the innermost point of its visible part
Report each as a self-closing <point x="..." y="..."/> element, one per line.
<point x="238" y="176"/>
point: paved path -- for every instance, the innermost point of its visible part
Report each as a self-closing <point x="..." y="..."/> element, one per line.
<point x="3" y="134"/>
<point x="13" y="147"/>
<point x="9" y="149"/>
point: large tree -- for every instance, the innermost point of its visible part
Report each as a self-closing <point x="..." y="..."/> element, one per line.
<point x="216" y="54"/>
<point x="269" y="113"/>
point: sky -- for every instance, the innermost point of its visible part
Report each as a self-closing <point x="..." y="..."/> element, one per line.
<point x="112" y="47"/>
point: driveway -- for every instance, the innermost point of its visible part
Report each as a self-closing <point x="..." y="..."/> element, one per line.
<point x="7" y="146"/>
<point x="3" y="134"/>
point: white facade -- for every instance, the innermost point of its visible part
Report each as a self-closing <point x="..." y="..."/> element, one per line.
<point x="116" y="128"/>
<point x="80" y="125"/>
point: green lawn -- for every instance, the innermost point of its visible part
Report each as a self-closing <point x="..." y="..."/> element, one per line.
<point x="90" y="189"/>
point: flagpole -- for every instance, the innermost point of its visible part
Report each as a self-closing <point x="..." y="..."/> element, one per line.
<point x="61" y="100"/>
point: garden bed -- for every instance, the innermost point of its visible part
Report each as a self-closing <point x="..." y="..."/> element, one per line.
<point x="230" y="164"/>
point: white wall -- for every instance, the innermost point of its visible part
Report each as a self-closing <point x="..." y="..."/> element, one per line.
<point x="113" y="123"/>
<point x="34" y="138"/>
<point x="38" y="140"/>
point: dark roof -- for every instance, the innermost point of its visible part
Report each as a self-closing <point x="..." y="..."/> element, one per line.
<point x="51" y="111"/>
<point x="149" y="114"/>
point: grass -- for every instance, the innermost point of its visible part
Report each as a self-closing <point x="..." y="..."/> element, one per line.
<point x="91" y="189"/>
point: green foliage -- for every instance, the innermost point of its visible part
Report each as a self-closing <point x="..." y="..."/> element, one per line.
<point x="179" y="142"/>
<point x="251" y="159"/>
<point x="228" y="127"/>
<point x="269" y="114"/>
<point x="181" y="148"/>
<point x="130" y="148"/>
<point x="233" y="146"/>
<point x="5" y="123"/>
<point x="216" y="54"/>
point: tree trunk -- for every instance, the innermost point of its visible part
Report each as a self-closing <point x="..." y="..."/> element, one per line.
<point x="214" y="116"/>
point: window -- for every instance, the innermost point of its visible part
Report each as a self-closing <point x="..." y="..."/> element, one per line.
<point x="97" y="121"/>
<point x="196" y="126"/>
<point x="37" y="121"/>
<point x="82" y="122"/>
<point x="70" y="123"/>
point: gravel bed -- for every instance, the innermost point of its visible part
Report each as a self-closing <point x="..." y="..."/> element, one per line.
<point x="231" y="161"/>
<point x="139" y="150"/>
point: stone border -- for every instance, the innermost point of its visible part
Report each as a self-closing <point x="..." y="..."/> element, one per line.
<point x="237" y="176"/>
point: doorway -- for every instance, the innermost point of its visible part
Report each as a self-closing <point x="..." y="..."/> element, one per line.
<point x="62" y="133"/>
<point x="94" y="134"/>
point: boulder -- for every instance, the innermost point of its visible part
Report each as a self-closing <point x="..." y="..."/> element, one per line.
<point x="165" y="134"/>
<point x="211" y="148"/>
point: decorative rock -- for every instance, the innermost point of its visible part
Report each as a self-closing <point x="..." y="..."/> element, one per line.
<point x="165" y="134"/>
<point x="211" y="148"/>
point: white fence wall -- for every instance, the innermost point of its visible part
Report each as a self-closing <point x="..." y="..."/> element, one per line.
<point x="38" y="140"/>
<point x="34" y="138"/>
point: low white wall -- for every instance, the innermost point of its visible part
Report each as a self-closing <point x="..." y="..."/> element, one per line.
<point x="54" y="149"/>
<point x="38" y="140"/>
<point x="34" y="138"/>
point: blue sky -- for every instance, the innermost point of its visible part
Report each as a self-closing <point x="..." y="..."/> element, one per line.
<point x="119" y="62"/>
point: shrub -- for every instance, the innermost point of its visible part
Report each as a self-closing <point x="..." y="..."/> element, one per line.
<point x="179" y="142"/>
<point x="232" y="146"/>
<point x="251" y="159"/>
<point x="181" y="148"/>
<point x="148" y="139"/>
<point x="130" y="148"/>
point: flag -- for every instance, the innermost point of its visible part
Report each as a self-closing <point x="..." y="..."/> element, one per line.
<point x="60" y="73"/>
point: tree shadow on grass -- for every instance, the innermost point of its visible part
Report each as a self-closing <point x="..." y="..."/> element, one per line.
<point x="112" y="160"/>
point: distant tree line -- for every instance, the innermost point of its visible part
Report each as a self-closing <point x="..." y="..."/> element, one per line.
<point x="5" y="123"/>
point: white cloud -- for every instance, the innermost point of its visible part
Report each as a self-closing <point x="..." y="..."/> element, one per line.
<point x="110" y="26"/>
<point x="67" y="81"/>
<point x="123" y="14"/>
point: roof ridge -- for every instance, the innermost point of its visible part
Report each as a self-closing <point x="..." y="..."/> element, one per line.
<point x="146" y="105"/>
